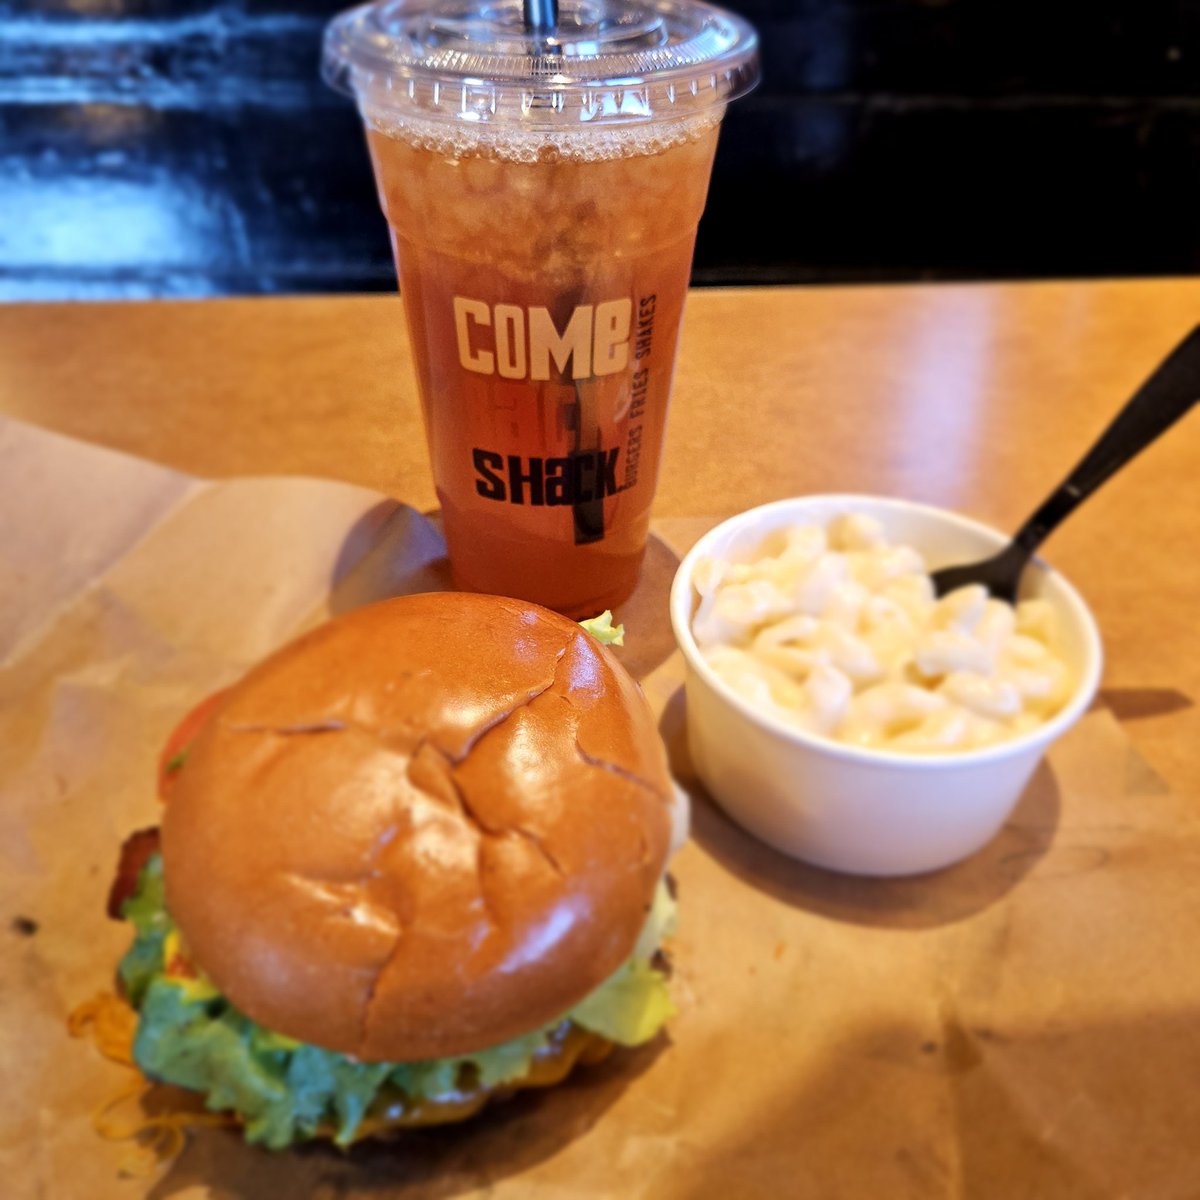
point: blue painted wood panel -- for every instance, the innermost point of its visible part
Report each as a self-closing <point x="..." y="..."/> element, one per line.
<point x="186" y="147"/>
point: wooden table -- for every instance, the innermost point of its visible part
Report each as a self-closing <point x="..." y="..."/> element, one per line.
<point x="976" y="397"/>
<point x="1020" y="1025"/>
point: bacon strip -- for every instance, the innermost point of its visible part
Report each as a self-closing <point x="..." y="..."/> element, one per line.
<point x="135" y="853"/>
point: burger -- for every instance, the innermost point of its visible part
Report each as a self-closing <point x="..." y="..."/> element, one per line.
<point x="411" y="862"/>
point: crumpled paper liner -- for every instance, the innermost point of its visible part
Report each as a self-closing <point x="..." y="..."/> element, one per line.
<point x="1026" y="1024"/>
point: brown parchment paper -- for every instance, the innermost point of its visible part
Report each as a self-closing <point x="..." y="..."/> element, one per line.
<point x="1023" y="1025"/>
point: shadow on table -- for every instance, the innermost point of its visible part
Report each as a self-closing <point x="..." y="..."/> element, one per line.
<point x="915" y="902"/>
<point x="976" y="1103"/>
<point x="648" y="638"/>
<point x="393" y="550"/>
<point x="1132" y="704"/>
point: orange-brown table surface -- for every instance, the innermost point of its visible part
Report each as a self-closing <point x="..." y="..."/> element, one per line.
<point x="978" y="397"/>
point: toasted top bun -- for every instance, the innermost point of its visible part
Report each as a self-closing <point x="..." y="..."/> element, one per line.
<point x="424" y="828"/>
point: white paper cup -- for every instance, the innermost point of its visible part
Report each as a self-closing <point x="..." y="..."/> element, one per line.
<point x="865" y="811"/>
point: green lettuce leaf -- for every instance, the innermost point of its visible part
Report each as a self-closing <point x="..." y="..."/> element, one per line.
<point x="634" y="1003"/>
<point x="603" y="629"/>
<point x="207" y="1046"/>
<point x="146" y="911"/>
<point x="630" y="1007"/>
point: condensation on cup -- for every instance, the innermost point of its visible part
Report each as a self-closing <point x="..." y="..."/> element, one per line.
<point x="543" y="192"/>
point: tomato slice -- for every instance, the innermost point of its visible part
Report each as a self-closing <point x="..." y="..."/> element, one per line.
<point x="173" y="753"/>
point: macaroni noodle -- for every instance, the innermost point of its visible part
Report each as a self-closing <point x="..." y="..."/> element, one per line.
<point x="838" y="632"/>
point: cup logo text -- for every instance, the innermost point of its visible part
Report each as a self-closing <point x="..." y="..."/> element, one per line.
<point x="521" y="343"/>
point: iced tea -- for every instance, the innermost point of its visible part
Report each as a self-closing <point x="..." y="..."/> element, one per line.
<point x="543" y="279"/>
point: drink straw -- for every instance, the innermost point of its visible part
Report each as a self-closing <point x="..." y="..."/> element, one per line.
<point x="541" y="16"/>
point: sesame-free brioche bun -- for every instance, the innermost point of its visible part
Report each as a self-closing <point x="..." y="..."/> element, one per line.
<point x="424" y="828"/>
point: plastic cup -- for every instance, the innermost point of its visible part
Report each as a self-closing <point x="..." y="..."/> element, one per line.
<point x="543" y="194"/>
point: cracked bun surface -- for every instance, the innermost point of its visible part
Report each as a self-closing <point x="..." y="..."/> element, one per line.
<point x="424" y="828"/>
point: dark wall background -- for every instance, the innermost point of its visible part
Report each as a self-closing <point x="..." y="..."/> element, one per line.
<point x="187" y="147"/>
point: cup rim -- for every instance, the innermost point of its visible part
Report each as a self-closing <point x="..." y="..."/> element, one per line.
<point x="458" y="62"/>
<point x="681" y="605"/>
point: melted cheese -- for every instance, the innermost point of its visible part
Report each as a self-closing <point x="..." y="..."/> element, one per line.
<point x="394" y="1110"/>
<point x="154" y="1138"/>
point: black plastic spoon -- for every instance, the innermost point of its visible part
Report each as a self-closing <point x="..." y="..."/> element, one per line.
<point x="1165" y="397"/>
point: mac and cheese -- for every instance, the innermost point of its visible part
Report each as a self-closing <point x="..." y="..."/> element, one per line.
<point x="838" y="632"/>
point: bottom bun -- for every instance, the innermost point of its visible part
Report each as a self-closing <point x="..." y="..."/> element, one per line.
<point x="570" y="1046"/>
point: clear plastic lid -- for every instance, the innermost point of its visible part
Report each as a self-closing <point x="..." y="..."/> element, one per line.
<point x="605" y="62"/>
